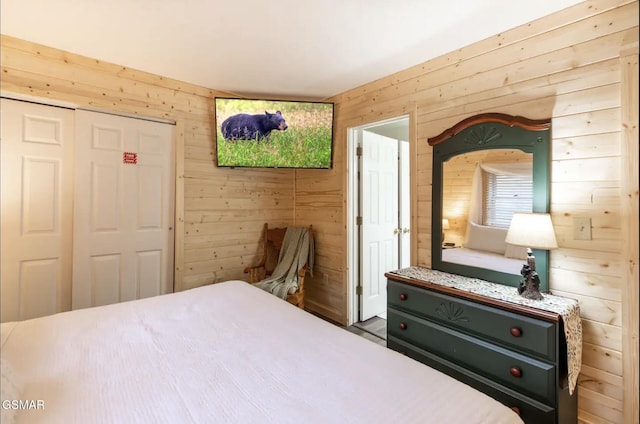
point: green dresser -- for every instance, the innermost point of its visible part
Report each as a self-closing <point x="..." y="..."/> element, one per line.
<point x="515" y="354"/>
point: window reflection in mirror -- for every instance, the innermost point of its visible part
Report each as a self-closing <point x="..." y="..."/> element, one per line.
<point x="481" y="191"/>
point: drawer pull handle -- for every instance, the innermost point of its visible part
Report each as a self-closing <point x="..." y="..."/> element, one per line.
<point x="516" y="372"/>
<point x="403" y="326"/>
<point x="403" y="296"/>
<point x="515" y="332"/>
<point x="516" y="410"/>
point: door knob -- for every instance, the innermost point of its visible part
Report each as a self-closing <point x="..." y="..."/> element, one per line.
<point x="405" y="230"/>
<point x="396" y="231"/>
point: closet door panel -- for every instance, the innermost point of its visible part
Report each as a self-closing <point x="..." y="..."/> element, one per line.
<point x="36" y="224"/>
<point x="124" y="209"/>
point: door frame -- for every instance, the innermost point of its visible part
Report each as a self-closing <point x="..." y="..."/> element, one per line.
<point x="353" y="195"/>
<point x="178" y="140"/>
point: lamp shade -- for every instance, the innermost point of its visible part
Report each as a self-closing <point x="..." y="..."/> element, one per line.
<point x="445" y="224"/>
<point x="533" y="230"/>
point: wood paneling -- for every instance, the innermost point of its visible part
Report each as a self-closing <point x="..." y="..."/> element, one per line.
<point x="630" y="154"/>
<point x="566" y="66"/>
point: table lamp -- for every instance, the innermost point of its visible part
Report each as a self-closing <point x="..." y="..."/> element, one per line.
<point x="445" y="226"/>
<point x="533" y="231"/>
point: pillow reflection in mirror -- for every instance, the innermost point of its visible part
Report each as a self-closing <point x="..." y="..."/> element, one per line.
<point x="487" y="239"/>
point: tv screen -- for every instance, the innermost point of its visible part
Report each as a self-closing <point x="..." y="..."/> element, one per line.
<point x="273" y="134"/>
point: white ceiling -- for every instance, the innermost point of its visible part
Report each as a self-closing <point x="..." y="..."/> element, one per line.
<point x="294" y="48"/>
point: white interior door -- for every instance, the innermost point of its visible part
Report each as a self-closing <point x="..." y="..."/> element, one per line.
<point x="124" y="209"/>
<point x="37" y="189"/>
<point x="404" y="203"/>
<point x="379" y="231"/>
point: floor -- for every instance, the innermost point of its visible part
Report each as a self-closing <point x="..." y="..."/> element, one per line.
<point x="374" y="329"/>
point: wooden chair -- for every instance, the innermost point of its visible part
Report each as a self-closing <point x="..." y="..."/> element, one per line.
<point x="272" y="243"/>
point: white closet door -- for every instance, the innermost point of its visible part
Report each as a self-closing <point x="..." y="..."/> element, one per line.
<point x="123" y="210"/>
<point x="37" y="184"/>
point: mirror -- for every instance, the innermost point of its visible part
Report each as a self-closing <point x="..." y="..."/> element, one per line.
<point x="484" y="168"/>
<point x="480" y="192"/>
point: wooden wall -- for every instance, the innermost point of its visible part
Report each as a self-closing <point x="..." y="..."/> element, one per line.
<point x="568" y="66"/>
<point x="219" y="211"/>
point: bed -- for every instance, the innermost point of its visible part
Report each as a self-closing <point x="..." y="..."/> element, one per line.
<point x="223" y="353"/>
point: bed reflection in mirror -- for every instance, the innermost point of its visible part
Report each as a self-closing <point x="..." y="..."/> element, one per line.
<point x="481" y="191"/>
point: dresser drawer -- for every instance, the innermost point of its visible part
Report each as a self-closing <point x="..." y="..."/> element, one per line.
<point x="528" y="335"/>
<point x="525" y="374"/>
<point x="530" y="410"/>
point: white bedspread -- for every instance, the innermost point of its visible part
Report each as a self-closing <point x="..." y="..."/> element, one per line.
<point x="225" y="353"/>
<point x="482" y="259"/>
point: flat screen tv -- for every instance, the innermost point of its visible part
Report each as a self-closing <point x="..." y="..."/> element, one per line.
<point x="273" y="134"/>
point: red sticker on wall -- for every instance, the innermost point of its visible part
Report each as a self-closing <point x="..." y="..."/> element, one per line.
<point x="130" y="157"/>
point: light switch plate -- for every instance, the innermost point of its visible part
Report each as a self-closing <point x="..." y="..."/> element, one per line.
<point x="581" y="228"/>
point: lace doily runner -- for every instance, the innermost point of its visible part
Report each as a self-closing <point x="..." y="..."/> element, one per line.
<point x="565" y="307"/>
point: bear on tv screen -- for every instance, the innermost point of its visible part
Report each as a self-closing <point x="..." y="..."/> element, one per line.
<point x="273" y="133"/>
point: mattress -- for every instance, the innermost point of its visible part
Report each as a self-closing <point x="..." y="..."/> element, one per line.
<point x="482" y="259"/>
<point x="223" y="353"/>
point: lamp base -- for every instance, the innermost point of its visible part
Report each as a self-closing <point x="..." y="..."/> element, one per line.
<point x="530" y="293"/>
<point x="529" y="288"/>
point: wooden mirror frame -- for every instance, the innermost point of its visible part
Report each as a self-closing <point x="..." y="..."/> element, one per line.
<point x="484" y="132"/>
